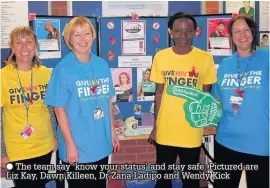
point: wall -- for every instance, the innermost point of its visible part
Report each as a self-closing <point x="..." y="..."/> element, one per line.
<point x="135" y="151"/>
<point x="59" y="8"/>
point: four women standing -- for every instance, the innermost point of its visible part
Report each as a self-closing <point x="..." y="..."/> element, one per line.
<point x="81" y="89"/>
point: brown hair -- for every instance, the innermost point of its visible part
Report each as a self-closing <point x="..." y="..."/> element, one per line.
<point x="21" y="32"/>
<point x="127" y="76"/>
<point x="147" y="70"/>
<point x="252" y="26"/>
<point x="77" y="21"/>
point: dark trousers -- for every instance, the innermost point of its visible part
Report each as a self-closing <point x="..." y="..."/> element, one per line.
<point x="255" y="178"/>
<point x="36" y="183"/>
<point x="168" y="155"/>
<point x="89" y="183"/>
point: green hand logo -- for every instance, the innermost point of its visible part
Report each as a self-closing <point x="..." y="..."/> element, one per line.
<point x="201" y="108"/>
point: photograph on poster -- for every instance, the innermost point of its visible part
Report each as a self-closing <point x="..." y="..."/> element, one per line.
<point x="137" y="110"/>
<point x="145" y="88"/>
<point x="241" y="7"/>
<point x="133" y="37"/>
<point x="122" y="82"/>
<point x="48" y="37"/>
<point x="264" y="40"/>
<point x="218" y="43"/>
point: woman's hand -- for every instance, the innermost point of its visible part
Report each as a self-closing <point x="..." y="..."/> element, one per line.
<point x="115" y="142"/>
<point x="4" y="162"/>
<point x="72" y="154"/>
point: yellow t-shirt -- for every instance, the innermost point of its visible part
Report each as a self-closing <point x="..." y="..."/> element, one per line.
<point x="194" y="70"/>
<point x="14" y="116"/>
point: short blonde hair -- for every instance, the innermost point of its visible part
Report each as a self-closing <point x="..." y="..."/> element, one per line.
<point x="77" y="21"/>
<point x="21" y="32"/>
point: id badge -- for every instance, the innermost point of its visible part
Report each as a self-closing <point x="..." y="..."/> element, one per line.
<point x="98" y="113"/>
<point x="236" y="100"/>
<point x="27" y="131"/>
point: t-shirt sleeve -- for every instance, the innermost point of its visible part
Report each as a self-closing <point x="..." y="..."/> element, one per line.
<point x="156" y="73"/>
<point x="57" y="93"/>
<point x="210" y="72"/>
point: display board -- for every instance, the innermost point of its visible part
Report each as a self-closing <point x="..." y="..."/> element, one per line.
<point x="51" y="44"/>
<point x="207" y="25"/>
<point x="129" y="47"/>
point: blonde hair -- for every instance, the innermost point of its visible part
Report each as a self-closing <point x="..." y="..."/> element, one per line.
<point x="21" y="32"/>
<point x="48" y="24"/>
<point x="77" y="21"/>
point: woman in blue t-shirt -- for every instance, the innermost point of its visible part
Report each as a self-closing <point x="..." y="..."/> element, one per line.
<point x="242" y="138"/>
<point x="80" y="90"/>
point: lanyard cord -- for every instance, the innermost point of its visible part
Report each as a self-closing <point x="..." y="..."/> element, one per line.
<point x="27" y="104"/>
<point x="239" y="80"/>
<point x="87" y="75"/>
<point x="240" y="93"/>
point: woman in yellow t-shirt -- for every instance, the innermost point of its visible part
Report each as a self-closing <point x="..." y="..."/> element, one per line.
<point x="27" y="125"/>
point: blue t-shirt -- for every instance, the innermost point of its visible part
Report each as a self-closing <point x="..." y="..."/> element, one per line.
<point x="248" y="132"/>
<point x="72" y="86"/>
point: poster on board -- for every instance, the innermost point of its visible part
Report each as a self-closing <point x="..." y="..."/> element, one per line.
<point x="122" y="82"/>
<point x="145" y="88"/>
<point x="264" y="16"/>
<point x="133" y="37"/>
<point x="241" y="7"/>
<point x="48" y="36"/>
<point x="218" y="43"/>
<point x="264" y="40"/>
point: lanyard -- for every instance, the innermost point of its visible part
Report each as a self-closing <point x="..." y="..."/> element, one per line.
<point x="92" y="89"/>
<point x="27" y="104"/>
<point x="239" y="80"/>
